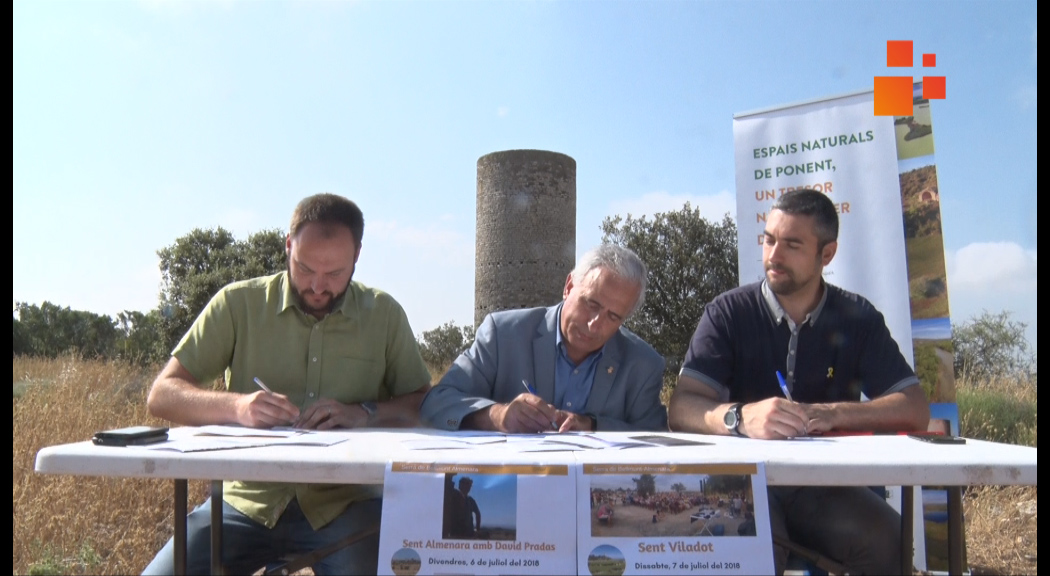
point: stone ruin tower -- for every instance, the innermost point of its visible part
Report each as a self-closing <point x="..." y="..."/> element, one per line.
<point x="526" y="230"/>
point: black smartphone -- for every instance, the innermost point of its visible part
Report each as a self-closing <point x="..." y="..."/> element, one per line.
<point x="131" y="436"/>
<point x="938" y="438"/>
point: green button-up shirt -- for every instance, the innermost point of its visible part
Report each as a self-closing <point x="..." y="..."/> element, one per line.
<point x="363" y="350"/>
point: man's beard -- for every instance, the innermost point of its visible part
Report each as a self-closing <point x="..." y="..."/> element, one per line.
<point x="300" y="298"/>
<point x="786" y="286"/>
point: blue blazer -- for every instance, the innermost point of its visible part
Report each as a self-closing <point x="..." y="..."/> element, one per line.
<point x="516" y="344"/>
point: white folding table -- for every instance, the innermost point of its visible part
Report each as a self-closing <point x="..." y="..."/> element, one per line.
<point x="866" y="460"/>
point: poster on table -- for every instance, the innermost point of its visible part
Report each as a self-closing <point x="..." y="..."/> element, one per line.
<point x="673" y="519"/>
<point x="839" y="147"/>
<point x="478" y="519"/>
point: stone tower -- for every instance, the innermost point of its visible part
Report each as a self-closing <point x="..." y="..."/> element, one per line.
<point x="526" y="230"/>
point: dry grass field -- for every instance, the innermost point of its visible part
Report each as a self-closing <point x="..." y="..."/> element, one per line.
<point x="89" y="525"/>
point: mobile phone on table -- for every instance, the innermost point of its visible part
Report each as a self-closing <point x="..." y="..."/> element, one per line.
<point x="131" y="436"/>
<point x="939" y="438"/>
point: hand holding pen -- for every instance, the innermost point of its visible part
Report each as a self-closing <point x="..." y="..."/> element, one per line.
<point x="529" y="413"/>
<point x="265" y="410"/>
<point x="787" y="394"/>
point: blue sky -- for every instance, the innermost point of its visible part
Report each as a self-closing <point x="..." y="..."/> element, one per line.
<point x="135" y="122"/>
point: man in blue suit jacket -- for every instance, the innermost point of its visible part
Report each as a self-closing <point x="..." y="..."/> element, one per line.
<point x="572" y="366"/>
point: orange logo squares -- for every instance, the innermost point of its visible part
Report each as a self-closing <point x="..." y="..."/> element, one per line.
<point x="899" y="53"/>
<point x="933" y="87"/>
<point x="893" y="96"/>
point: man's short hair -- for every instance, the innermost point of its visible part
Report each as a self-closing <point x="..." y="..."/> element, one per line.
<point x="620" y="260"/>
<point x="328" y="209"/>
<point x="806" y="202"/>
<point x="465" y="481"/>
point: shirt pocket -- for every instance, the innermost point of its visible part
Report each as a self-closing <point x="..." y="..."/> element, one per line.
<point x="353" y="380"/>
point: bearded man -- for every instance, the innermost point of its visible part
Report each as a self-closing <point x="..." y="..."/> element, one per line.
<point x="828" y="347"/>
<point x="330" y="353"/>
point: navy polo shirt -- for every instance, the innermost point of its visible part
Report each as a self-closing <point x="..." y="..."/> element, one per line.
<point x="842" y="349"/>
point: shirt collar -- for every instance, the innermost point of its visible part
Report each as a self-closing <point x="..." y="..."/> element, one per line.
<point x="345" y="304"/>
<point x="778" y="311"/>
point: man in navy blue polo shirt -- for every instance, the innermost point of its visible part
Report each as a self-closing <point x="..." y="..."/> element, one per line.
<point x="827" y="347"/>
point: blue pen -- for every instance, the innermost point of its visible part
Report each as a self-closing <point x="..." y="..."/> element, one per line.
<point x="784" y="386"/>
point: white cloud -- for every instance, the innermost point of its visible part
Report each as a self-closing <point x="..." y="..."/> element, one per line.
<point x="993" y="267"/>
<point x="994" y="276"/>
<point x="713" y="207"/>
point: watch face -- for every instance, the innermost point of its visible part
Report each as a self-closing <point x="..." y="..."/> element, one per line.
<point x="731" y="418"/>
<point x="369" y="407"/>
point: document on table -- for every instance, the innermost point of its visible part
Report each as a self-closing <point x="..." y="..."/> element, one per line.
<point x="230" y="437"/>
<point x="544" y="442"/>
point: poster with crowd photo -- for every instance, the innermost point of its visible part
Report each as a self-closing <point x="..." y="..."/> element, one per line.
<point x="839" y="147"/>
<point x="638" y="518"/>
<point x="478" y="519"/>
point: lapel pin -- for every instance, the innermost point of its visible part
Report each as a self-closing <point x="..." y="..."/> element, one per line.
<point x="610" y="370"/>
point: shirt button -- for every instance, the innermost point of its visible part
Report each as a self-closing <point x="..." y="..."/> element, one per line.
<point x="315" y="359"/>
<point x="311" y="394"/>
<point x="791" y="352"/>
<point x="577" y="371"/>
<point x="569" y="404"/>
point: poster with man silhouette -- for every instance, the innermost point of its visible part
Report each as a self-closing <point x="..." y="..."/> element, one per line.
<point x="478" y="519"/>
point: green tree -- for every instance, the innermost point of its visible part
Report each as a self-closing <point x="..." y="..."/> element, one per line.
<point x="724" y="483"/>
<point x="645" y="485"/>
<point x="22" y="344"/>
<point x="678" y="487"/>
<point x="197" y="265"/>
<point x="50" y="330"/>
<point x="140" y="340"/>
<point x="992" y="345"/>
<point x="690" y="260"/>
<point x="440" y="347"/>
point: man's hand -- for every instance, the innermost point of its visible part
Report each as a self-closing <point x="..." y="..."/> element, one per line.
<point x="568" y="421"/>
<point x="774" y="418"/>
<point x="821" y="417"/>
<point x="326" y="414"/>
<point x="265" y="410"/>
<point x="527" y="413"/>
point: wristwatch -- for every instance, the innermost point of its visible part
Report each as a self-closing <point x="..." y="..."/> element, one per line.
<point x="370" y="408"/>
<point x="732" y="419"/>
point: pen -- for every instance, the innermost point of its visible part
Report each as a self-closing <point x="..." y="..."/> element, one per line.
<point x="784" y="386"/>
<point x="530" y="390"/>
<point x="263" y="386"/>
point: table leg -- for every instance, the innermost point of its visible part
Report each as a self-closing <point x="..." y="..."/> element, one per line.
<point x="216" y="526"/>
<point x="180" y="527"/>
<point x="956" y="534"/>
<point x="907" y="529"/>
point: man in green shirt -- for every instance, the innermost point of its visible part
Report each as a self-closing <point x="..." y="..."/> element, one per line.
<point x="332" y="353"/>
